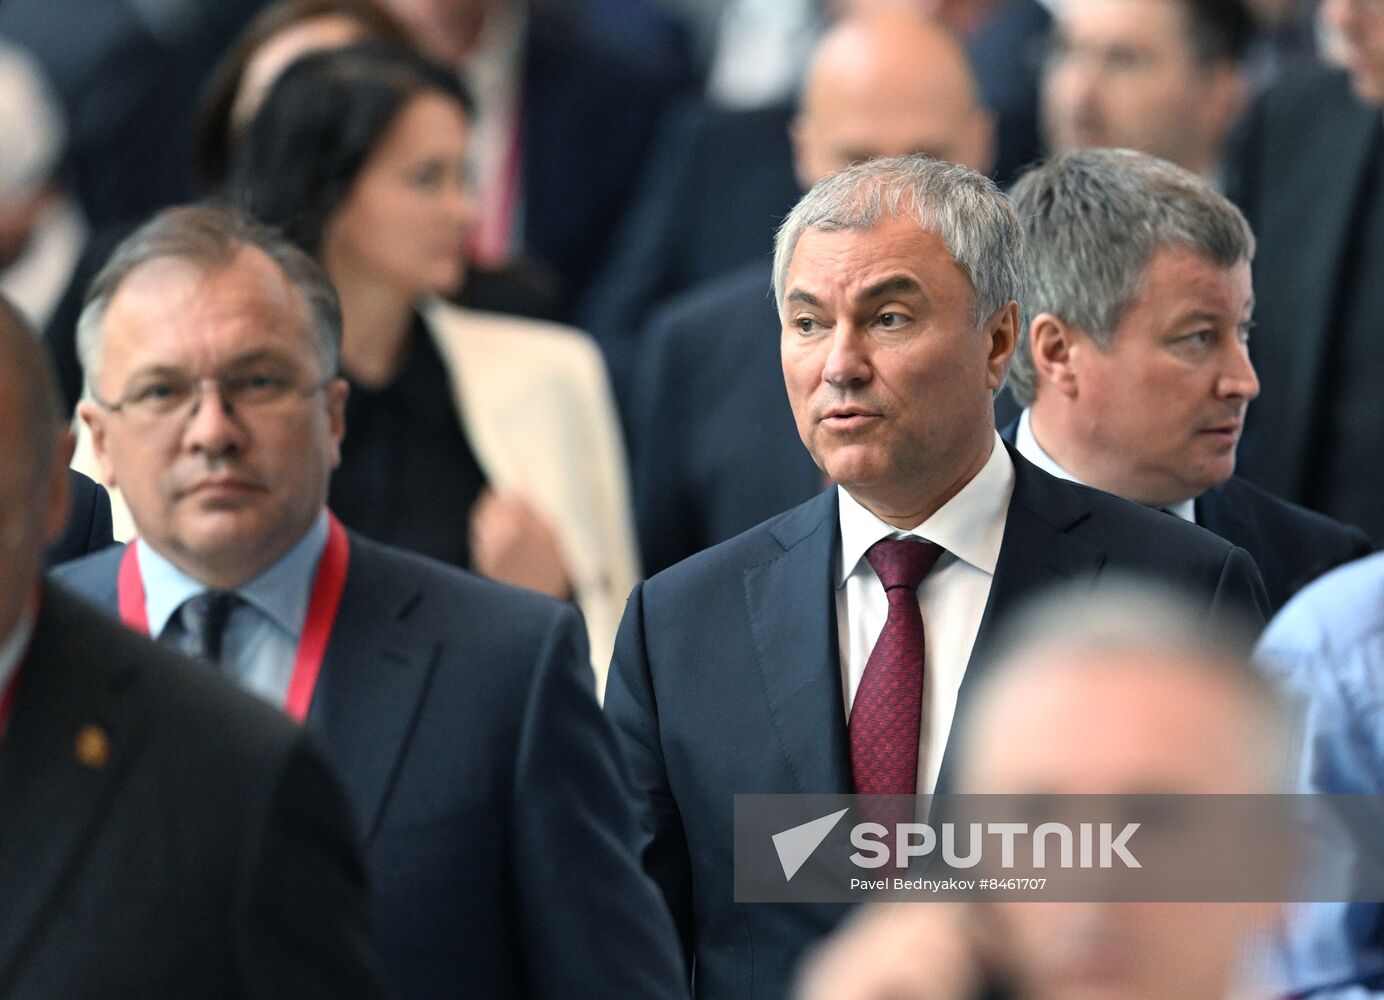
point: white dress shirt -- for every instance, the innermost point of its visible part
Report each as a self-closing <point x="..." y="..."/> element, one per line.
<point x="952" y="598"/>
<point x="1029" y="447"/>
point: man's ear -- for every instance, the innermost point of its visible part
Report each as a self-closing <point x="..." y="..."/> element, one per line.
<point x="95" y="419"/>
<point x="336" y="391"/>
<point x="1052" y="342"/>
<point x="1003" y="330"/>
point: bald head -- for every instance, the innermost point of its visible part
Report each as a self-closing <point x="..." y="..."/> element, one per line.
<point x="889" y="83"/>
<point x="34" y="449"/>
<point x="1125" y="689"/>
<point x="30" y="403"/>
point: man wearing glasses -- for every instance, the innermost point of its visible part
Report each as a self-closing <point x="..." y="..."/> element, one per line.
<point x="458" y="712"/>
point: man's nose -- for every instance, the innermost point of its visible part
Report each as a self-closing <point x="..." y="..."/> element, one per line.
<point x="212" y="427"/>
<point x="847" y="361"/>
<point x="1239" y="379"/>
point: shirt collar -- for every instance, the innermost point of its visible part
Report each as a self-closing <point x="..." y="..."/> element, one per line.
<point x="970" y="526"/>
<point x="1029" y="447"/>
<point x="281" y="593"/>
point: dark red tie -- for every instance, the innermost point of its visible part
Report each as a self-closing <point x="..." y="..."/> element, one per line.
<point x="887" y="712"/>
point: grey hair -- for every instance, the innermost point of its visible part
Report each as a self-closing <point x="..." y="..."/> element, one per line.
<point x="210" y="237"/>
<point x="973" y="218"/>
<point x="1093" y="220"/>
<point x="1089" y="624"/>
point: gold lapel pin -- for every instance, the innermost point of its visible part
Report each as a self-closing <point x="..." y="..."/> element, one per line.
<point x="93" y="747"/>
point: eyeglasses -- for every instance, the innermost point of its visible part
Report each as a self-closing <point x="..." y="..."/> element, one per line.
<point x="170" y="396"/>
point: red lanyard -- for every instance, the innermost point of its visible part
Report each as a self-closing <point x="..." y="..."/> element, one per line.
<point x="317" y="629"/>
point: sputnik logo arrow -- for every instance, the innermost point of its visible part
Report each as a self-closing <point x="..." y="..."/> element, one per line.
<point x="796" y="845"/>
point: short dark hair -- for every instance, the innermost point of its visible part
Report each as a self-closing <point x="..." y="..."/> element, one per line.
<point x="216" y="131"/>
<point x="318" y="126"/>
<point x="1220" y="30"/>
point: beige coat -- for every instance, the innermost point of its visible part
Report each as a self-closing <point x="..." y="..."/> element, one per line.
<point x="538" y="410"/>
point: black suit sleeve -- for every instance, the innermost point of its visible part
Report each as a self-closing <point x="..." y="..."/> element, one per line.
<point x="306" y="927"/>
<point x="589" y="913"/>
<point x="1240" y="600"/>
<point x="89" y="524"/>
<point x="633" y="709"/>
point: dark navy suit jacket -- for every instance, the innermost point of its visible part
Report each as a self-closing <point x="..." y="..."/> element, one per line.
<point x="461" y="717"/>
<point x="1291" y="545"/>
<point x="194" y="844"/>
<point x="1298" y="165"/>
<point x="726" y="679"/>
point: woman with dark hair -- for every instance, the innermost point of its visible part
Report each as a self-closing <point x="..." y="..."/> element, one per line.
<point x="482" y="440"/>
<point x="278" y="35"/>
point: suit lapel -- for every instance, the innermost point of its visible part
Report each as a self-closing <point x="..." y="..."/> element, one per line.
<point x="792" y="609"/>
<point x="1036" y="552"/>
<point x="69" y="742"/>
<point x="374" y="675"/>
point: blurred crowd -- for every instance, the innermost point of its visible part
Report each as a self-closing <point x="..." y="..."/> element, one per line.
<point x="580" y="412"/>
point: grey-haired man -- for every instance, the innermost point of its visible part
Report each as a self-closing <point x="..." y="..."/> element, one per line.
<point x="777" y="662"/>
<point x="1134" y="365"/>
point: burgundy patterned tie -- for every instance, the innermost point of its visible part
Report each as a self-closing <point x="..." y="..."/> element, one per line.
<point x="887" y="712"/>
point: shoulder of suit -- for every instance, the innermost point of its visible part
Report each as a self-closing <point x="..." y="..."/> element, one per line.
<point x="183" y="699"/>
<point x="90" y="575"/>
<point x="766" y="541"/>
<point x="399" y="581"/>
<point x="1285" y="515"/>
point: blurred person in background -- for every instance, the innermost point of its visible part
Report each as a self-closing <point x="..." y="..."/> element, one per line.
<point x="1134" y="365"/>
<point x="1164" y="77"/>
<point x="484" y="441"/>
<point x="42" y="230"/>
<point x="1307" y="168"/>
<point x="1116" y="691"/>
<point x="565" y="119"/>
<point x="882" y="84"/>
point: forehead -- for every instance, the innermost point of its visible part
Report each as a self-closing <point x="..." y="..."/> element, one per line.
<point x="849" y="264"/>
<point x="1115" y="722"/>
<point x="176" y="312"/>
<point x="1179" y="283"/>
<point x="1126" y="22"/>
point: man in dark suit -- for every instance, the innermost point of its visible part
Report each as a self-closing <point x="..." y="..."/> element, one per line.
<point x="1135" y="366"/>
<point x="880" y="85"/>
<point x="1307" y="167"/>
<point x="459" y="713"/>
<point x="89" y="525"/>
<point x="736" y="671"/>
<point x="163" y="835"/>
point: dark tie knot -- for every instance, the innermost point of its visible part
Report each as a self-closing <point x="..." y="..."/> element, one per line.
<point x="902" y="562"/>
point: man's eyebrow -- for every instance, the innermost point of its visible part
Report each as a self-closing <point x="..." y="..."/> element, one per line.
<point x="891" y="286"/>
<point x="806" y="298"/>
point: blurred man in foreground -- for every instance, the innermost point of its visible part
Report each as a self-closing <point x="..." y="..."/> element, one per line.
<point x="1117" y="693"/>
<point x="162" y="834"/>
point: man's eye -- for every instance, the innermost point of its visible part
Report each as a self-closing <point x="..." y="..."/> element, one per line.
<point x="1198" y="339"/>
<point x="805" y="324"/>
<point x="890" y="319"/>
<point x="257" y="384"/>
<point x="158" y="392"/>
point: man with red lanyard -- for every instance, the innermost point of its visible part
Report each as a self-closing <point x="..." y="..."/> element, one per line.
<point x="161" y="834"/>
<point x="459" y="713"/>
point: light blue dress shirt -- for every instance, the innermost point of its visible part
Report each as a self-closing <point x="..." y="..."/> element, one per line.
<point x="260" y="642"/>
<point x="1327" y="648"/>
